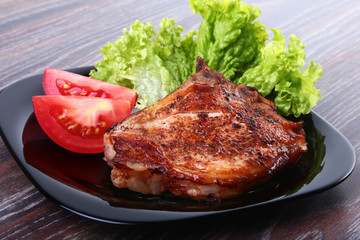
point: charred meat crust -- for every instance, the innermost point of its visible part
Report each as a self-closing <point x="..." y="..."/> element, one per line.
<point x="208" y="134"/>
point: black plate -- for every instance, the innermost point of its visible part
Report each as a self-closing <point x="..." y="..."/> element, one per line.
<point x="80" y="182"/>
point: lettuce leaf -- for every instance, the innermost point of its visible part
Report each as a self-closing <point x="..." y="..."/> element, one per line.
<point x="228" y="38"/>
<point x="176" y="53"/>
<point x="152" y="64"/>
<point x="278" y="73"/>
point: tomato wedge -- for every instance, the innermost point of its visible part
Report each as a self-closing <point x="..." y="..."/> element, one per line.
<point x="78" y="123"/>
<point x="59" y="82"/>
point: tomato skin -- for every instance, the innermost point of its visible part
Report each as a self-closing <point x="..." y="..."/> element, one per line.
<point x="59" y="82"/>
<point x="66" y="120"/>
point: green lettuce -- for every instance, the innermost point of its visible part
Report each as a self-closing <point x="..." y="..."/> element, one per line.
<point x="176" y="53"/>
<point x="229" y="39"/>
<point x="153" y="64"/>
<point x="279" y="75"/>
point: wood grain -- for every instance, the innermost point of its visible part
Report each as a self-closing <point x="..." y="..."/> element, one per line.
<point x="66" y="34"/>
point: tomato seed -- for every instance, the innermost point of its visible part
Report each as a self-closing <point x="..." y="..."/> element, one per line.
<point x="66" y="86"/>
<point x="88" y="132"/>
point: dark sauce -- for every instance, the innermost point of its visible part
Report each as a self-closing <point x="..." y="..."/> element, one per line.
<point x="90" y="173"/>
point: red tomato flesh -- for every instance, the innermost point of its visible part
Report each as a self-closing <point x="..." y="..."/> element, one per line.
<point x="59" y="82"/>
<point x="78" y="123"/>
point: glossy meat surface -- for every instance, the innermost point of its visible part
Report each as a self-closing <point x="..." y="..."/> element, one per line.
<point x="209" y="139"/>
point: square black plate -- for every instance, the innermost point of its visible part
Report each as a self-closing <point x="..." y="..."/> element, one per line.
<point x="53" y="170"/>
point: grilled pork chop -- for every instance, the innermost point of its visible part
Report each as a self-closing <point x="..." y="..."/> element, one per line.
<point x="209" y="139"/>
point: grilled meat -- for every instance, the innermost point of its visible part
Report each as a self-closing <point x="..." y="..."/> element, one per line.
<point x="209" y="139"/>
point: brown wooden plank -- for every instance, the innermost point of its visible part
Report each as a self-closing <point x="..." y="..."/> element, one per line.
<point x="67" y="34"/>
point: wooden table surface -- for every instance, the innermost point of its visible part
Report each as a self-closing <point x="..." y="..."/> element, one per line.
<point x="67" y="34"/>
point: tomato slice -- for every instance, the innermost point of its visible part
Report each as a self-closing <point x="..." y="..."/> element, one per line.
<point x="78" y="123"/>
<point x="59" y="82"/>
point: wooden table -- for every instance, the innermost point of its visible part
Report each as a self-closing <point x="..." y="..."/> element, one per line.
<point x="67" y="34"/>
